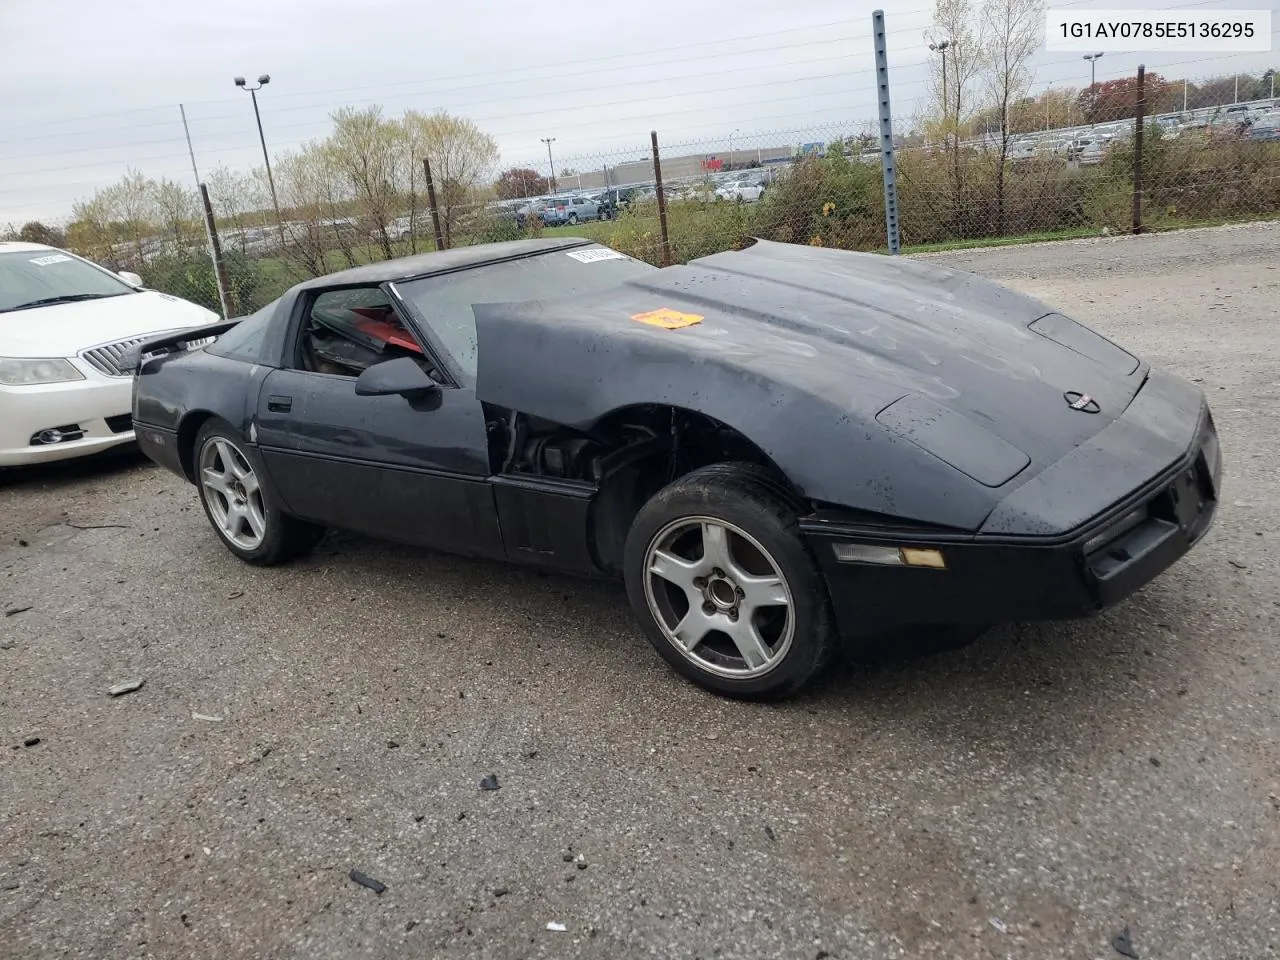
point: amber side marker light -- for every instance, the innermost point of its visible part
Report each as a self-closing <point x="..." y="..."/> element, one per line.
<point x="889" y="556"/>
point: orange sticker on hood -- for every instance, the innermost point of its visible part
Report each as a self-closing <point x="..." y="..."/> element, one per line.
<point x="667" y="319"/>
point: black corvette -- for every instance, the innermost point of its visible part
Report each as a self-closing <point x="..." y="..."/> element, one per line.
<point x="776" y="449"/>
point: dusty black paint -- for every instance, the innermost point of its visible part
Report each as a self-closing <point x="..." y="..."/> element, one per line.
<point x="908" y="403"/>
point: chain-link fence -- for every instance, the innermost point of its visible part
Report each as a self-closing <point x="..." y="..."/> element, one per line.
<point x="670" y="202"/>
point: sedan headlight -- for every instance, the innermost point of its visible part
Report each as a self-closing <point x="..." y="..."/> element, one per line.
<point x="25" y="373"/>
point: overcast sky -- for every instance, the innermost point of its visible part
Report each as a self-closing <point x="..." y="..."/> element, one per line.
<point x="89" y="88"/>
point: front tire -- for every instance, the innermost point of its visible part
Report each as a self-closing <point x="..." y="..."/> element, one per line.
<point x="723" y="586"/>
<point x="238" y="500"/>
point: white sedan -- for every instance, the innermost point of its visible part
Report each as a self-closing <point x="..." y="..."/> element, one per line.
<point x="743" y="191"/>
<point x="65" y="327"/>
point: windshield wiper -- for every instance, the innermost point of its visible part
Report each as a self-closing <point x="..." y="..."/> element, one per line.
<point x="64" y="298"/>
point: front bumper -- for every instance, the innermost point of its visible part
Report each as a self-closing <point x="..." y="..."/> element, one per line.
<point x="1084" y="561"/>
<point x="97" y="407"/>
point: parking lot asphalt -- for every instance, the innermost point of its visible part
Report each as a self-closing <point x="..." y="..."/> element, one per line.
<point x="1030" y="796"/>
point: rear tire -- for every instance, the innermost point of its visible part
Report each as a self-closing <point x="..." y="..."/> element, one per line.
<point x="241" y="504"/>
<point x="739" y="606"/>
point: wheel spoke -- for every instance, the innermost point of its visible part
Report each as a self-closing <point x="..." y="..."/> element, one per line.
<point x="715" y="545"/>
<point x="216" y="481"/>
<point x="676" y="570"/>
<point x="234" y="514"/>
<point x="253" y="514"/>
<point x="747" y="639"/>
<point x="766" y="591"/>
<point x="236" y="464"/>
<point x="692" y="628"/>
<point x="250" y="484"/>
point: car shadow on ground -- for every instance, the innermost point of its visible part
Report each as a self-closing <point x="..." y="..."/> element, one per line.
<point x="1017" y="686"/>
<point x="69" y="473"/>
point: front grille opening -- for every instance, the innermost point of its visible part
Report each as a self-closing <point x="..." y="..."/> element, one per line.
<point x="51" y="435"/>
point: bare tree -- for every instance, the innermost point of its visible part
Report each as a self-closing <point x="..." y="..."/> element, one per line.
<point x="952" y="25"/>
<point x="133" y="202"/>
<point x="178" y="214"/>
<point x="366" y="149"/>
<point x="301" y="186"/>
<point x="235" y="197"/>
<point x="462" y="157"/>
<point x="1010" y="32"/>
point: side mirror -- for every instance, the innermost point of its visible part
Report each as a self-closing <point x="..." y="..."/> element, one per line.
<point x="400" y="376"/>
<point x="130" y="278"/>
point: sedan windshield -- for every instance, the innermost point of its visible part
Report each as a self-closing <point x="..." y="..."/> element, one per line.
<point x="444" y="302"/>
<point x="36" y="278"/>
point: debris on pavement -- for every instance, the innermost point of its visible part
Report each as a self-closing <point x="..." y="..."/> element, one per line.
<point x="1238" y="565"/>
<point x="1123" y="944"/>
<point x="556" y="927"/>
<point x="30" y="741"/>
<point x="129" y="686"/>
<point x="490" y="782"/>
<point x="768" y="832"/>
<point x="998" y="924"/>
<point x="366" y="881"/>
<point x="501" y="892"/>
<point x="14" y="611"/>
<point x="235" y="594"/>
<point x="7" y="644"/>
<point x="206" y="718"/>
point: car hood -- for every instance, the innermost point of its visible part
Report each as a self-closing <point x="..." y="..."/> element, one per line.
<point x="64" y="329"/>
<point x="976" y="364"/>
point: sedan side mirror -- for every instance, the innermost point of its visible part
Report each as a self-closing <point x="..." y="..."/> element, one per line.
<point x="401" y="376"/>
<point x="130" y="278"/>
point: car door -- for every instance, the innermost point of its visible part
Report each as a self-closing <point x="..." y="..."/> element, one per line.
<point x="412" y="468"/>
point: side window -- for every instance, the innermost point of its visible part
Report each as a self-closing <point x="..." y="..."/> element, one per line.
<point x="345" y="332"/>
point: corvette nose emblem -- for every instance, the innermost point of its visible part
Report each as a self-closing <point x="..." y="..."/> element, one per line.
<point x="1081" y="401"/>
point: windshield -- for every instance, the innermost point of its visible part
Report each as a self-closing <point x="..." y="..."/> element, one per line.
<point x="444" y="302"/>
<point x="33" y="277"/>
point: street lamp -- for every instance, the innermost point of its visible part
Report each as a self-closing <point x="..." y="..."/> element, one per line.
<point x="941" y="47"/>
<point x="1093" y="86"/>
<point x="549" y="141"/>
<point x="263" y="80"/>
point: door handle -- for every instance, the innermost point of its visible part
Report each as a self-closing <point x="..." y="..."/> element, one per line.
<point x="279" y="404"/>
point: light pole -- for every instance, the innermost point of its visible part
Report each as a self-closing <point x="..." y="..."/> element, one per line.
<point x="1093" y="85"/>
<point x="941" y="47"/>
<point x="263" y="80"/>
<point x="549" y="141"/>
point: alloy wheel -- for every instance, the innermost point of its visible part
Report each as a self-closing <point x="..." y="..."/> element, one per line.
<point x="233" y="493"/>
<point x="719" y="598"/>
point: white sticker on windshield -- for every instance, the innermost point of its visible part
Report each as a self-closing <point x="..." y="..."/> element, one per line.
<point x="52" y="258"/>
<point x="591" y="256"/>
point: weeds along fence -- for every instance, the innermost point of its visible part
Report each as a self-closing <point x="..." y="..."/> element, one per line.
<point x="822" y="186"/>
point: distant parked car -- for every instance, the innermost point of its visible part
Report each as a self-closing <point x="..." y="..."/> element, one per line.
<point x="743" y="191"/>
<point x="65" y="327"/>
<point x="1266" y="127"/>
<point x="569" y="210"/>
<point x="1022" y="150"/>
<point x="1090" y="151"/>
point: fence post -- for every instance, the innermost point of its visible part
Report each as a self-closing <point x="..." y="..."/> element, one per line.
<point x="1140" y="122"/>
<point x="431" y="199"/>
<point x="215" y="247"/>
<point x="211" y="232"/>
<point x="887" y="167"/>
<point x="662" y="200"/>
